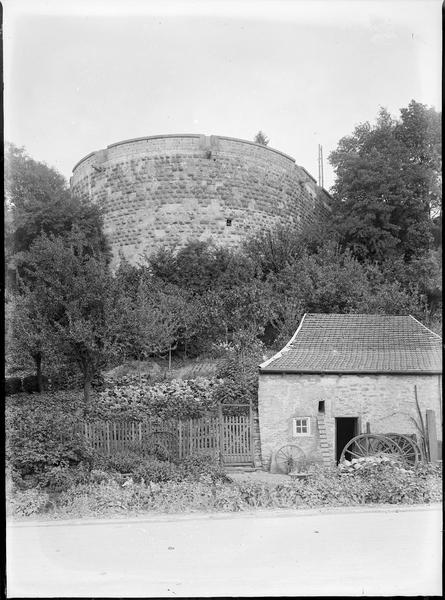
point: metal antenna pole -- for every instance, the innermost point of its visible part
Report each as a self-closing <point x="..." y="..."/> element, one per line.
<point x="320" y="166"/>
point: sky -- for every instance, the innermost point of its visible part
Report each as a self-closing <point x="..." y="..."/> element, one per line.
<point x="82" y="74"/>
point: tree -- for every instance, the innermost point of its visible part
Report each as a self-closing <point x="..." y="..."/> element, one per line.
<point x="388" y="185"/>
<point x="196" y="267"/>
<point x="238" y="371"/>
<point x="261" y="138"/>
<point x="28" y="332"/>
<point x="38" y="201"/>
<point x="419" y="130"/>
<point x="151" y="320"/>
<point x="273" y="249"/>
<point x="74" y="295"/>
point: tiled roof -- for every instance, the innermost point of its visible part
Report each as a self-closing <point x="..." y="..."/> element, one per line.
<point x="359" y="344"/>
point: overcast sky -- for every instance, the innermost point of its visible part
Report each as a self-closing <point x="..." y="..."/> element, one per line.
<point x="80" y="75"/>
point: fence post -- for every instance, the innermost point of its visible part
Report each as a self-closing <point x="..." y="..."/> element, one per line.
<point x="431" y="434"/>
<point x="252" y="442"/>
<point x="108" y="437"/>
<point x="190" y="436"/>
<point x="221" y="433"/>
<point x="180" y="438"/>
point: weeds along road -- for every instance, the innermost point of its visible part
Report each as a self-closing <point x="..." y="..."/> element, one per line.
<point x="369" y="551"/>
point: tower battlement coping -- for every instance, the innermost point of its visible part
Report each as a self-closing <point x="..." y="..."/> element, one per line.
<point x="184" y="135"/>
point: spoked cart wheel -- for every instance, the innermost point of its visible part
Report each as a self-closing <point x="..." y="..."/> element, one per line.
<point x="289" y="458"/>
<point x="411" y="453"/>
<point x="369" y="444"/>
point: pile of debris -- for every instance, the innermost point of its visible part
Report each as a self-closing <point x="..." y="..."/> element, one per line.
<point x="354" y="465"/>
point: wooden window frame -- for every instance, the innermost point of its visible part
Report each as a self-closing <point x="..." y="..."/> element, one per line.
<point x="296" y="433"/>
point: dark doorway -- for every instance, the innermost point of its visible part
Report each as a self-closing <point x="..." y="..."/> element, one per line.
<point x="345" y="429"/>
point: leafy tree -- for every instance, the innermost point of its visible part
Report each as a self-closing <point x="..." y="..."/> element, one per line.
<point x="238" y="370"/>
<point x="75" y="296"/>
<point x="271" y="250"/>
<point x="420" y="281"/>
<point x="261" y="138"/>
<point x="38" y="201"/>
<point x="193" y="327"/>
<point x="28" y="332"/>
<point x="419" y="130"/>
<point x="196" y="267"/>
<point x="151" y="321"/>
<point x="242" y="308"/>
<point x="388" y="185"/>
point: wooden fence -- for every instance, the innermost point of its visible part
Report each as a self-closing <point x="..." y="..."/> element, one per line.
<point x="229" y="437"/>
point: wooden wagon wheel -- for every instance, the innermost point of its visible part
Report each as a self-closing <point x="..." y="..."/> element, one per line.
<point x="289" y="457"/>
<point x="369" y="444"/>
<point x="411" y="453"/>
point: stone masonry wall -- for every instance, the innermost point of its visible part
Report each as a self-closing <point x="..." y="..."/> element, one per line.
<point x="387" y="402"/>
<point x="165" y="190"/>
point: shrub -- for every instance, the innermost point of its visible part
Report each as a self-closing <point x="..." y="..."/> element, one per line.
<point x="156" y="471"/>
<point x="387" y="481"/>
<point x="41" y="432"/>
<point x="99" y="476"/>
<point x="58" y="479"/>
<point x="13" y="385"/>
<point x="126" y="462"/>
<point x="176" y="399"/>
<point x="237" y="375"/>
<point x="28" y="502"/>
<point x="30" y="383"/>
<point x="106" y="494"/>
<point x="196" y="466"/>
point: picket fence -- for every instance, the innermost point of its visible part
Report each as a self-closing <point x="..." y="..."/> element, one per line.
<point x="228" y="437"/>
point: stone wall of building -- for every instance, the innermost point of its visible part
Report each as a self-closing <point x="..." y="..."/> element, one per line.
<point x="166" y="190"/>
<point x="386" y="402"/>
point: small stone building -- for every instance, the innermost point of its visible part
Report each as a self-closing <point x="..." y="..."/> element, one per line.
<point x="342" y="375"/>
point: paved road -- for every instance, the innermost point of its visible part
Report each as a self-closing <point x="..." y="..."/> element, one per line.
<point x="357" y="552"/>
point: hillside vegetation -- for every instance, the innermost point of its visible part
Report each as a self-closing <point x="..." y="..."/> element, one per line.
<point x="73" y="319"/>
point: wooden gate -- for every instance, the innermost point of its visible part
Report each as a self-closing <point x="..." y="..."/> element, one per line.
<point x="226" y="437"/>
<point x="236" y="442"/>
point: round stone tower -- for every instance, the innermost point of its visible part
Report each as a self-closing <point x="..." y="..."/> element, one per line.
<point x="169" y="189"/>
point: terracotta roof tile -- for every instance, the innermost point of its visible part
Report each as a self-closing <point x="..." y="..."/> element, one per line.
<point x="359" y="344"/>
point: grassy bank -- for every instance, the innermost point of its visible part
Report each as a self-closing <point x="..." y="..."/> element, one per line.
<point x="107" y="494"/>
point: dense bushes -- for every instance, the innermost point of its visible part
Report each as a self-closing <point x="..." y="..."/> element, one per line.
<point x="181" y="399"/>
<point x="13" y="385"/>
<point x="153" y="469"/>
<point x="42" y="430"/>
<point x="41" y="436"/>
<point x="200" y="486"/>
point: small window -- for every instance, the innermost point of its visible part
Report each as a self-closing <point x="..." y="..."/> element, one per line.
<point x="228" y="222"/>
<point x="321" y="406"/>
<point x="302" y="426"/>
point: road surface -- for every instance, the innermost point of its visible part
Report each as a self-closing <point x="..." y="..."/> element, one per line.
<point x="381" y="551"/>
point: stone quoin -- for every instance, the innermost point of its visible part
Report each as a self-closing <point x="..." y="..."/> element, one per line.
<point x="166" y="190"/>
